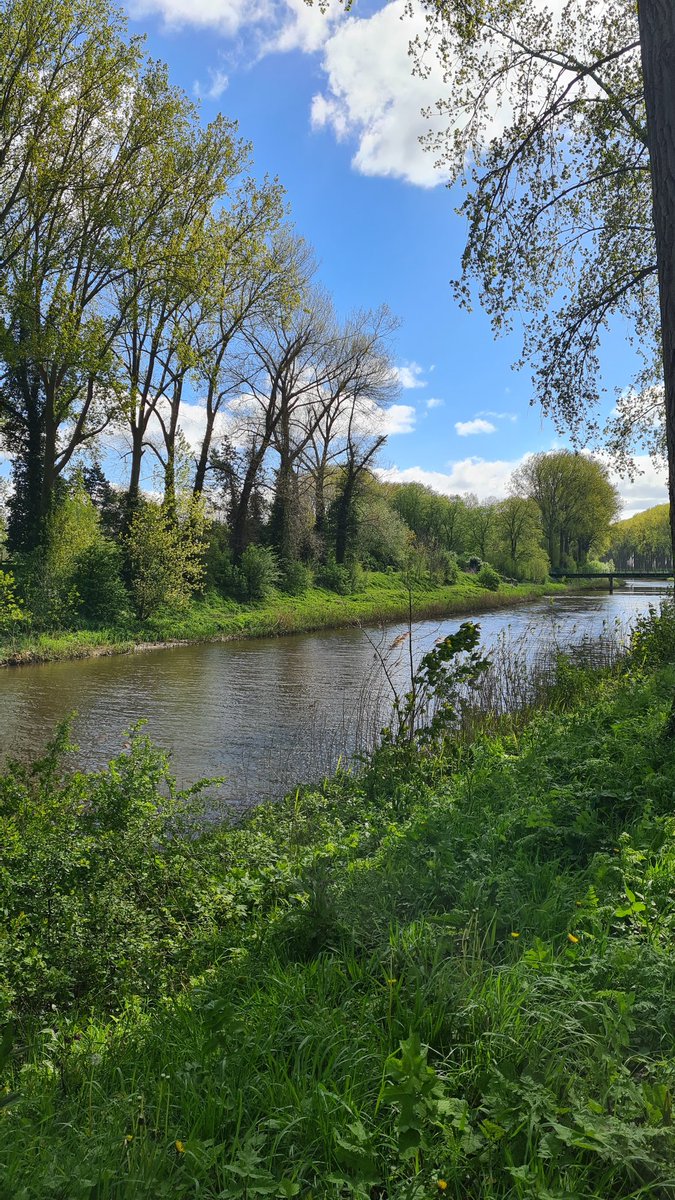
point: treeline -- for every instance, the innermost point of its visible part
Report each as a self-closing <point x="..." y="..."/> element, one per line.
<point x="96" y="567"/>
<point x="642" y="543"/>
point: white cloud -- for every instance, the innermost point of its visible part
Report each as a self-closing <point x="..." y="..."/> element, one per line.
<point x="484" y="478"/>
<point x="497" y="416"/>
<point x="217" y="85"/>
<point x="469" y="476"/>
<point x="409" y="375"/>
<point x="477" y="425"/>
<point x="304" y="28"/>
<point x="372" y="95"/>
<point x="435" y="402"/>
<point x="227" y="16"/>
<point x="648" y="488"/>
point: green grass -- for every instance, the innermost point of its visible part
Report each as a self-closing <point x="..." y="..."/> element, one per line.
<point x="457" y="968"/>
<point x="384" y="598"/>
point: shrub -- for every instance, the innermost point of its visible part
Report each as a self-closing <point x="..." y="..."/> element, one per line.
<point x="165" y="558"/>
<point x="469" y="562"/>
<point x="11" y="612"/>
<point x="258" y="572"/>
<point x="295" y="577"/>
<point x="97" y="579"/>
<point x="488" y="577"/>
<point x="343" y="578"/>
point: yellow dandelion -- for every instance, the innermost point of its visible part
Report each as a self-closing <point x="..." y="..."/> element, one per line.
<point x="514" y="934"/>
<point x="441" y="1184"/>
<point x="180" y="1147"/>
<point x="571" y="938"/>
<point x="129" y="1138"/>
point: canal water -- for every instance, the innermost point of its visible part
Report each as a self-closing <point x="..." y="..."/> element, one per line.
<point x="269" y="713"/>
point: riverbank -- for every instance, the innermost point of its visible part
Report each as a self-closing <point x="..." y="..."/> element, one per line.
<point x="384" y="598"/>
<point x="451" y="975"/>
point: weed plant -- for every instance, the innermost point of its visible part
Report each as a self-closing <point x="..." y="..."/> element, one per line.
<point x="452" y="974"/>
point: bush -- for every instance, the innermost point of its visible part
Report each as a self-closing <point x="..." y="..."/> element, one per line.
<point x="258" y="572"/>
<point x="218" y="566"/>
<point x="469" y="562"/>
<point x="343" y="578"/>
<point x="11" y="612"/>
<point x="165" y="558"/>
<point x="295" y="577"/>
<point x="488" y="578"/>
<point x="93" y="878"/>
<point x="97" y="579"/>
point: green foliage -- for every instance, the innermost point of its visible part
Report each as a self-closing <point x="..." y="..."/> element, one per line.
<point x="653" y="635"/>
<point x="97" y="579"/>
<point x="488" y="578"/>
<point x="642" y="542"/>
<point x="258" y="571"/>
<point x="429" y="709"/>
<point x="95" y="882"/>
<point x="343" y="578"/>
<point x="11" y="611"/>
<point x="359" y="990"/>
<point x="295" y="578"/>
<point x="165" y="558"/>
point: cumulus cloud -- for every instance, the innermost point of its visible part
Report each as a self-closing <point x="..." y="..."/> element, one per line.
<point x="372" y="95"/>
<point x="410" y="375"/>
<point x="469" y="476"/>
<point x="227" y="16"/>
<point x="649" y="487"/>
<point x="435" y="402"/>
<point x="304" y="28"/>
<point x="476" y="425"/>
<point x="486" y="478"/>
<point x="398" y="418"/>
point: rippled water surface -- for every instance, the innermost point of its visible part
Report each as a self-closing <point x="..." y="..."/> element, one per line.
<point x="269" y="713"/>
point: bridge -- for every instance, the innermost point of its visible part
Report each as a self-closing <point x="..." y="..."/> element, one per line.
<point x="611" y="575"/>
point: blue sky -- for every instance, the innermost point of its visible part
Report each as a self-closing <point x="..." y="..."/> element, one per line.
<point x="333" y="110"/>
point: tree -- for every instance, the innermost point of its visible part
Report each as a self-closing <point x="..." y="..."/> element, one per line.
<point x="576" y="500"/>
<point x="571" y="187"/>
<point x="88" y="203"/>
<point x="518" y="534"/>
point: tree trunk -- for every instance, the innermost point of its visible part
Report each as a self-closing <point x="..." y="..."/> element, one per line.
<point x="657" y="40"/>
<point x="343" y="519"/>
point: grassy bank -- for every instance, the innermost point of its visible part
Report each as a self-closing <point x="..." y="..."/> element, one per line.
<point x="384" y="598"/>
<point x="453" y="975"/>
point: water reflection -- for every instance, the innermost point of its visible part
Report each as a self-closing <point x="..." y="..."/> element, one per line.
<point x="269" y="713"/>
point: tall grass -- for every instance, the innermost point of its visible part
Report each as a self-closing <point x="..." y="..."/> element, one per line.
<point x="451" y="974"/>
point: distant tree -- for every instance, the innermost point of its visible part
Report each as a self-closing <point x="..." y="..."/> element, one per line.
<point x="518" y="536"/>
<point x="642" y="542"/>
<point x="576" y="500"/>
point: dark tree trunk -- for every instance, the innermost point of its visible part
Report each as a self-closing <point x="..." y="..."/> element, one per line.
<point x="344" y="518"/>
<point x="203" y="460"/>
<point x="657" y="39"/>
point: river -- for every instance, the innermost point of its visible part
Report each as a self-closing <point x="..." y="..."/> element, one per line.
<point x="269" y="713"/>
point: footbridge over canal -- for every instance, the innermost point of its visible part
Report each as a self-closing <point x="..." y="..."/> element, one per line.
<point x="612" y="575"/>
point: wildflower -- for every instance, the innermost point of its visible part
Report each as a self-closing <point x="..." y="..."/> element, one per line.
<point x="391" y="982"/>
<point x="180" y="1147"/>
<point x="441" y="1184"/>
<point x="129" y="1138"/>
<point x="514" y="934"/>
<point x="571" y="938"/>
